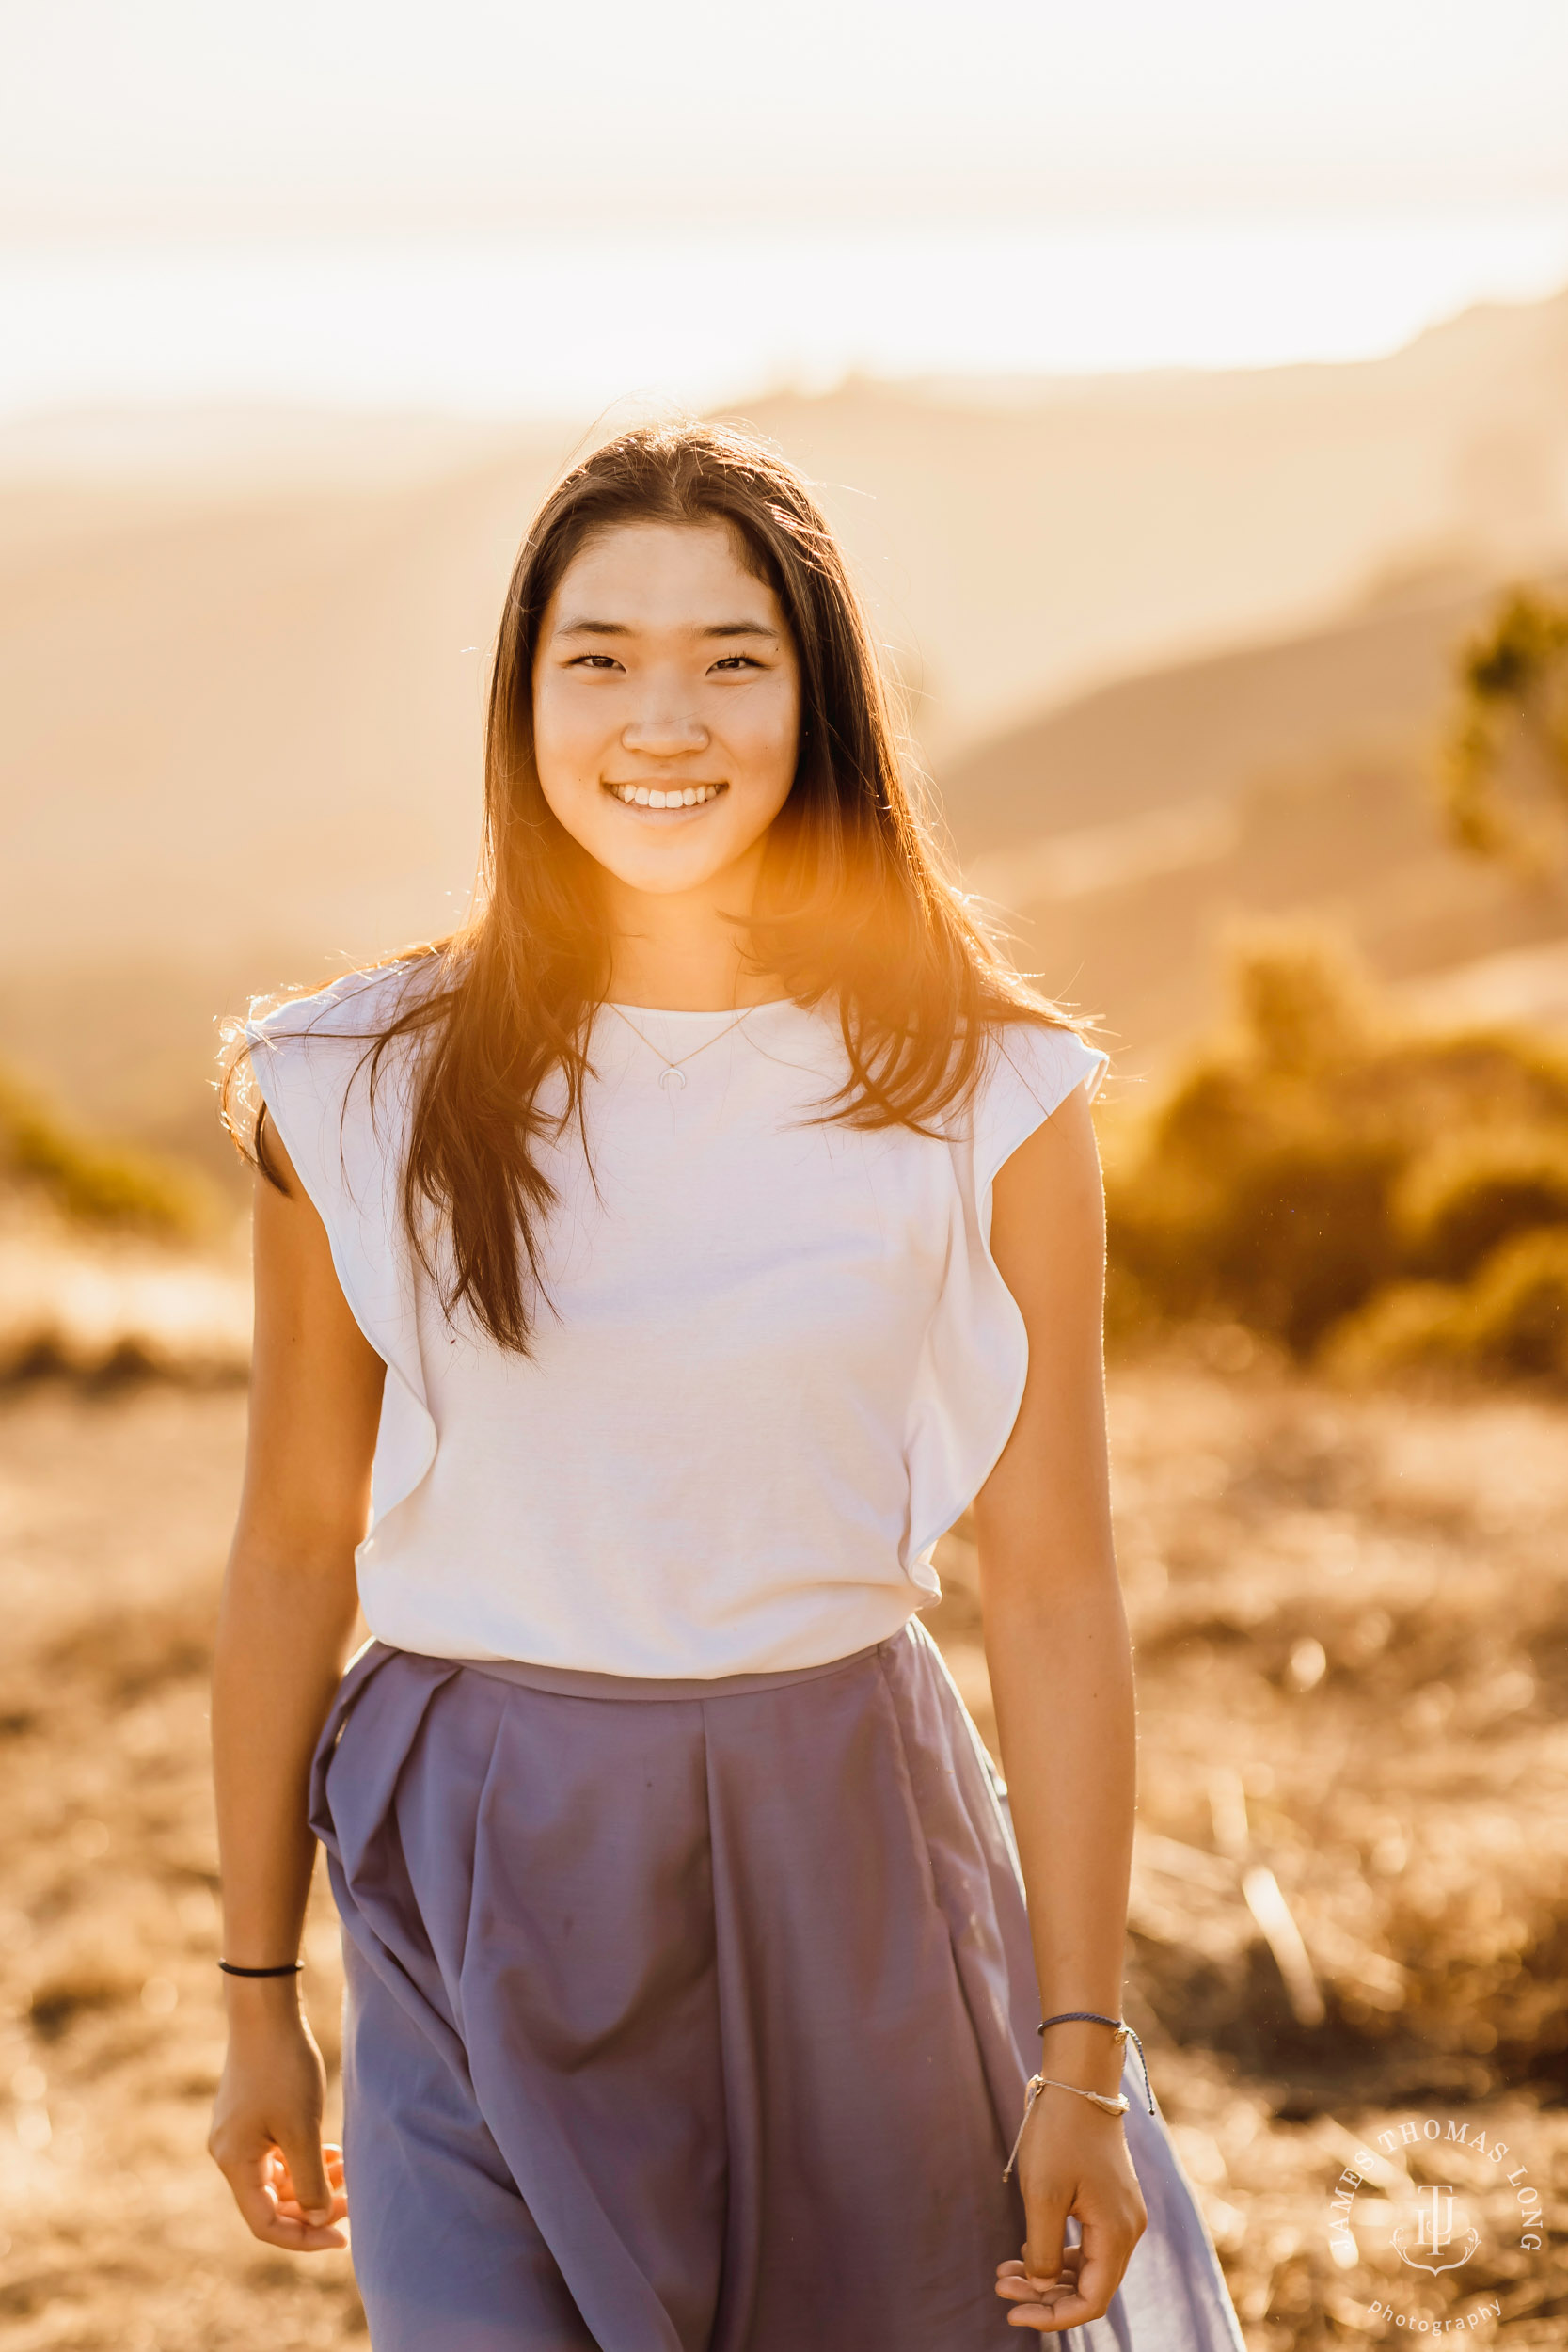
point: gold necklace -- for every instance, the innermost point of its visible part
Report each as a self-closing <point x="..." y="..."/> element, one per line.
<point x="674" y="1073"/>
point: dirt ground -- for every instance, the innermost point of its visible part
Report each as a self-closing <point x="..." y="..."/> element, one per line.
<point x="1350" y="1907"/>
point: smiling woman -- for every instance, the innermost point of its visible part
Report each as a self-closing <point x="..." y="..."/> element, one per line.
<point x="647" y="1279"/>
<point x="806" y="873"/>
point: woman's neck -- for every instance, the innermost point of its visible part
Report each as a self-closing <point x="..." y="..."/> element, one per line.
<point x="695" y="983"/>
<point x="683" y="953"/>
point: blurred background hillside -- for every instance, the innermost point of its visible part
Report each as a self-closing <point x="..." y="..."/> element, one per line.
<point x="1190" y="388"/>
<point x="1178" y="648"/>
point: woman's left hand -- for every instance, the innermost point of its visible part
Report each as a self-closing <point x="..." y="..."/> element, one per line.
<point x="1072" y="2163"/>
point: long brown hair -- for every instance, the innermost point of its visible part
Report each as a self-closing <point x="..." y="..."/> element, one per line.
<point x="854" y="909"/>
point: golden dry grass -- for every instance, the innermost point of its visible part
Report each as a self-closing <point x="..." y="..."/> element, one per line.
<point x="1352" y="1626"/>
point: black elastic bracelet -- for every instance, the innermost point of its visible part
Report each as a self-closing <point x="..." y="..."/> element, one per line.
<point x="1118" y="2025"/>
<point x="289" y="1968"/>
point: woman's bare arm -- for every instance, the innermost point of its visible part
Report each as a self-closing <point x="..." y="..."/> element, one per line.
<point x="1061" y="1675"/>
<point x="284" y="1631"/>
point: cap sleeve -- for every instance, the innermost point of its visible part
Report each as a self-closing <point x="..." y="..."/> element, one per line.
<point x="309" y="1057"/>
<point x="977" y="1357"/>
<point x="1031" y="1071"/>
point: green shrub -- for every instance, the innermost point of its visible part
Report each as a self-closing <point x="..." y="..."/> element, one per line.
<point x="98" y="1183"/>
<point x="1512" y="1318"/>
<point x="1293" y="1238"/>
<point x="1408" y="1324"/>
<point x="1517" y="1318"/>
<point x="1306" y="1237"/>
<point x="1302" y="1002"/>
<point x="1257" y="1196"/>
<point x="1456" y="1202"/>
<point x="1313" y="1161"/>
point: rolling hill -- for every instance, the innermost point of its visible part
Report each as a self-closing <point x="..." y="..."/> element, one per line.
<point x="1377" y="679"/>
<point x="1024" y="542"/>
<point x="1127" y="833"/>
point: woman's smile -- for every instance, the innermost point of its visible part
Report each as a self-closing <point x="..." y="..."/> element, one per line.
<point x="669" y="795"/>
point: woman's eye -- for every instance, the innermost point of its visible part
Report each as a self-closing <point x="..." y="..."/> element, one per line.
<point x="736" y="661"/>
<point x="595" y="662"/>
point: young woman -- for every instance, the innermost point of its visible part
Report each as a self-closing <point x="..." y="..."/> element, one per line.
<point x="647" y="1278"/>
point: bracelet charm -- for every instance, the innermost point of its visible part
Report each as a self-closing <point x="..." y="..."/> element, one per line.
<point x="1120" y="2031"/>
<point x="1117" y="2105"/>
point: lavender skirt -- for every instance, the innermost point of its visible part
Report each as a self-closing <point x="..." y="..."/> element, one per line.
<point x="695" y="2017"/>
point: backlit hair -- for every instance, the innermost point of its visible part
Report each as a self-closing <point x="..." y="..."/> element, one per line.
<point x="854" y="913"/>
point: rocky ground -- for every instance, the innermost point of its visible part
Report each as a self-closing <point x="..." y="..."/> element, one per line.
<point x="1349" y="1909"/>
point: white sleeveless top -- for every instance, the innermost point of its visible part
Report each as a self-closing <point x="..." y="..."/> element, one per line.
<point x="778" y="1361"/>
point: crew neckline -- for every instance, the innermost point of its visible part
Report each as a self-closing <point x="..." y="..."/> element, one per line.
<point x="690" y="1012"/>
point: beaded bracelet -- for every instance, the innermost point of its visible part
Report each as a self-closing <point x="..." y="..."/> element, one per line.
<point x="287" y="1968"/>
<point x="1120" y="2028"/>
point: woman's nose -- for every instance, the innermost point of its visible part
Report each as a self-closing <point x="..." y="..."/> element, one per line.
<point x="665" y="732"/>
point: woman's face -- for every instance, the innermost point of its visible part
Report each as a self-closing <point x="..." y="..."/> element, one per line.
<point x="666" y="705"/>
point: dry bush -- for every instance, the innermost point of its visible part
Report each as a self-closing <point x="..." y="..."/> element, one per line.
<point x="1309" y="1166"/>
<point x="1511" y="1319"/>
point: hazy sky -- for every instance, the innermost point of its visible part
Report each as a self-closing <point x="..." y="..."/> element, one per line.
<point x="506" y="208"/>
<point x="197" y="114"/>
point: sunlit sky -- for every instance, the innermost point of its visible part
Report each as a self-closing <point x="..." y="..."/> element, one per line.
<point x="494" y="208"/>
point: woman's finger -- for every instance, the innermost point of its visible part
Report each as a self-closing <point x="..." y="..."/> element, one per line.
<point x="1045" y="2246"/>
<point x="290" y="2208"/>
<point x="1084" y="2291"/>
<point x="258" y="2205"/>
<point x="303" y="2182"/>
<point x="251" y="2184"/>
<point x="286" y="2196"/>
<point x="1014" y="2285"/>
<point x="1049" y="2319"/>
<point x="1015" y="2274"/>
<point x="1107" y="2251"/>
<point x="1050" y="2309"/>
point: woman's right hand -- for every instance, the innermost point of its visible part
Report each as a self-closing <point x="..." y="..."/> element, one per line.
<point x="267" y="2121"/>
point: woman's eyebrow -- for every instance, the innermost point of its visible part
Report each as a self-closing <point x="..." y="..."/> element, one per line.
<point x="580" y="625"/>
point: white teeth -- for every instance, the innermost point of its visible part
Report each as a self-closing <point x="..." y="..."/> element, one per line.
<point x="679" y="796"/>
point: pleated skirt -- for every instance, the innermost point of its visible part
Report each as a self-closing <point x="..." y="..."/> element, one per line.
<point x="696" y="2017"/>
